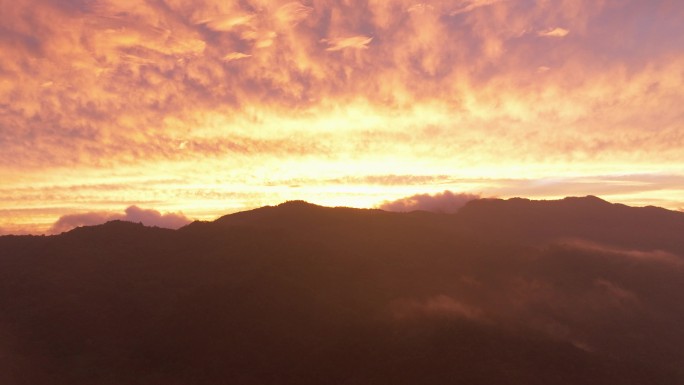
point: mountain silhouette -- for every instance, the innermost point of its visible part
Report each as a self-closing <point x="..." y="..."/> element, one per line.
<point x="574" y="291"/>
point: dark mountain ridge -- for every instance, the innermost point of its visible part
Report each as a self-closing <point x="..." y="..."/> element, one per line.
<point x="589" y="218"/>
<point x="576" y="291"/>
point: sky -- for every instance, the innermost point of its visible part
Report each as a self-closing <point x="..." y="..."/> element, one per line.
<point x="195" y="109"/>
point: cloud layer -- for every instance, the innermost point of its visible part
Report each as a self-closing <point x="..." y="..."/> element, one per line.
<point x="227" y="98"/>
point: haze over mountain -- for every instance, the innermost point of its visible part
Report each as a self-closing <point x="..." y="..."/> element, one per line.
<point x="574" y="291"/>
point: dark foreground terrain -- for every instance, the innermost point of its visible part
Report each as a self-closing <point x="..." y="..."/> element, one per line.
<point x="577" y="291"/>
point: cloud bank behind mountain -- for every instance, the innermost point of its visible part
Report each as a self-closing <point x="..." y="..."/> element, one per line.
<point x="445" y="202"/>
<point x="147" y="217"/>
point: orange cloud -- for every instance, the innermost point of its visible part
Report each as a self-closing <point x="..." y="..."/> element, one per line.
<point x="227" y="22"/>
<point x="357" y="42"/>
<point x="468" y="6"/>
<point x="235" y="56"/>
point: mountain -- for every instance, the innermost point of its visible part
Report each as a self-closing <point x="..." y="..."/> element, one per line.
<point x="575" y="291"/>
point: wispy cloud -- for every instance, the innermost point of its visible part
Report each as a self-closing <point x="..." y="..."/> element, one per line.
<point x="292" y="13"/>
<point x="468" y="6"/>
<point x="234" y="56"/>
<point x="555" y="32"/>
<point x="647" y="256"/>
<point x="340" y="43"/>
<point x="227" y="22"/>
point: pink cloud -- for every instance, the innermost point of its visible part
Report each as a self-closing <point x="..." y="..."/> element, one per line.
<point x="147" y="217"/>
<point x="555" y="32"/>
<point x="446" y="202"/>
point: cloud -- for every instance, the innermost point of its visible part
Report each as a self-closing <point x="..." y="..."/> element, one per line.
<point x="151" y="217"/>
<point x="179" y="61"/>
<point x="68" y="222"/>
<point x="434" y="307"/>
<point x="355" y="42"/>
<point x="657" y="256"/>
<point x="235" y="56"/>
<point x="292" y="13"/>
<point x="148" y="217"/>
<point x="420" y="7"/>
<point x="228" y="22"/>
<point x="394" y="180"/>
<point x="468" y="6"/>
<point x="446" y="202"/>
<point x="555" y="32"/>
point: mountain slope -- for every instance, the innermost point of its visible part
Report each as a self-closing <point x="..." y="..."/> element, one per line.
<point x="576" y="291"/>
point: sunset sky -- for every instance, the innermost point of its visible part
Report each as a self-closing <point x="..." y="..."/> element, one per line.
<point x="202" y="108"/>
